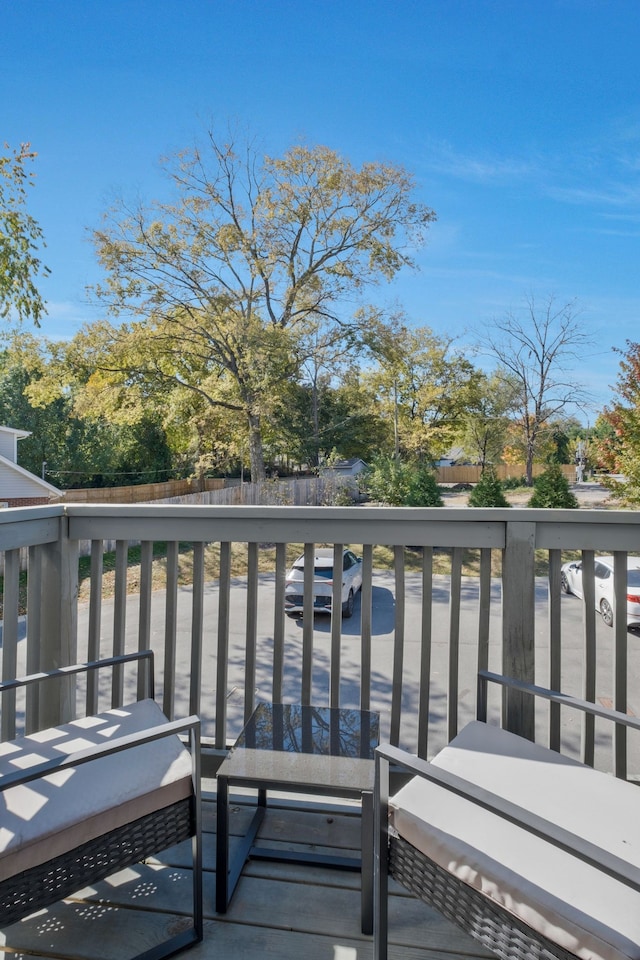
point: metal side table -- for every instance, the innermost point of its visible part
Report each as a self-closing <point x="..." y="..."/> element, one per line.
<point x="323" y="751"/>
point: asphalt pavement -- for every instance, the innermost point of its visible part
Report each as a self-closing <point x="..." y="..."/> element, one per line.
<point x="382" y="651"/>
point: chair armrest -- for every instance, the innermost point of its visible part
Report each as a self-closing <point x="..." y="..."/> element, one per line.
<point x="554" y="696"/>
<point x="76" y="668"/>
<point x="170" y="728"/>
<point x="571" y="843"/>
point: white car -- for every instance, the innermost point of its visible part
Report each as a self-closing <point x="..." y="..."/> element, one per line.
<point x="571" y="579"/>
<point x="323" y="582"/>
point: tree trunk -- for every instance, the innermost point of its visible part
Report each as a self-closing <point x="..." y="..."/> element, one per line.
<point x="530" y="453"/>
<point x="396" y="431"/>
<point x="256" y="453"/>
<point x="315" y="412"/>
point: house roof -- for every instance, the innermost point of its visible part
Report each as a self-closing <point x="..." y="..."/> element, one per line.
<point x="26" y="475"/>
<point x="346" y="464"/>
<point x="20" y="434"/>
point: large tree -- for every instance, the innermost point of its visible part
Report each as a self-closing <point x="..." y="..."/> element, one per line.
<point x="536" y="348"/>
<point x="225" y="275"/>
<point x="20" y="239"/>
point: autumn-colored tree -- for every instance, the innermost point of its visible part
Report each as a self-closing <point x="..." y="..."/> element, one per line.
<point x="619" y="446"/>
<point x="227" y="274"/>
<point x="20" y="239"/>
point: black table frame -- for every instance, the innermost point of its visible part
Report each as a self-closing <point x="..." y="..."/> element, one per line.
<point x="228" y="873"/>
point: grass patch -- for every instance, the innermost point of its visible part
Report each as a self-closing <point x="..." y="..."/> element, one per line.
<point x="383" y="559"/>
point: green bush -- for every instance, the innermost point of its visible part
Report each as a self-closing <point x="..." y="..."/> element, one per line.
<point x="399" y="483"/>
<point x="514" y="483"/>
<point x="551" y="489"/>
<point x="423" y="489"/>
<point x="488" y="492"/>
<point x="387" y="481"/>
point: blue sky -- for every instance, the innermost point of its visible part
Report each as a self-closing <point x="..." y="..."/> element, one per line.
<point x="520" y="120"/>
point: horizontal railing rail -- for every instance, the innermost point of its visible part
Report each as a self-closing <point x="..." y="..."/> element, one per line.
<point x="444" y="594"/>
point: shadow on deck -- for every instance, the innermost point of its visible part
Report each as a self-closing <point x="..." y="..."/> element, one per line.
<point x="281" y="910"/>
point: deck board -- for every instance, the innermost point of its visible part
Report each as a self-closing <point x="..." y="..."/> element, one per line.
<point x="282" y="910"/>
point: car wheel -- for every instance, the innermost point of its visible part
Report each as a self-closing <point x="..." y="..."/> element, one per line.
<point x="348" y="605"/>
<point x="607" y="612"/>
<point x="564" y="583"/>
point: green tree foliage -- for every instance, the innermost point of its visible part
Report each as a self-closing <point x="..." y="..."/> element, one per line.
<point x="423" y="488"/>
<point x="228" y="276"/>
<point x="336" y="416"/>
<point x="387" y="481"/>
<point x="488" y="492"/>
<point x="20" y="239"/>
<point x="76" y="451"/>
<point x="485" y="421"/>
<point x="535" y="348"/>
<point x="423" y="386"/>
<point x="551" y="489"/>
<point x="402" y="483"/>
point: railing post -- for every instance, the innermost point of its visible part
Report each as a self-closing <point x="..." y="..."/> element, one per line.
<point x="518" y="625"/>
<point x="58" y="625"/>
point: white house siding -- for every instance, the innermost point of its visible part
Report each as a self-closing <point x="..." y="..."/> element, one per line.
<point x="19" y="486"/>
<point x="8" y="444"/>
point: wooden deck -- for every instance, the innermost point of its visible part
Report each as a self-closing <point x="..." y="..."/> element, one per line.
<point x="279" y="910"/>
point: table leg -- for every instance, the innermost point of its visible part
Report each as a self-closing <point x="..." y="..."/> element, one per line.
<point x="222" y="845"/>
<point x="367" y="840"/>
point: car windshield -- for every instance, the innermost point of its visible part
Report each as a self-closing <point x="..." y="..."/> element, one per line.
<point x="325" y="573"/>
<point x="634" y="578"/>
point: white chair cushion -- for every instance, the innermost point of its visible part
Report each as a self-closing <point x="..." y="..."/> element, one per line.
<point x="559" y="896"/>
<point x="45" y="818"/>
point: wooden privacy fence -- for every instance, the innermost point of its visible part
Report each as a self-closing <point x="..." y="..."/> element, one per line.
<point x="292" y="491"/>
<point x="140" y="493"/>
<point x="504" y="471"/>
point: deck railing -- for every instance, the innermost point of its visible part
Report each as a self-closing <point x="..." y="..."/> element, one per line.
<point x="445" y="592"/>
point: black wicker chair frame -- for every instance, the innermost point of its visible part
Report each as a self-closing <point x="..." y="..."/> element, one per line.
<point x="497" y="930"/>
<point x="49" y="882"/>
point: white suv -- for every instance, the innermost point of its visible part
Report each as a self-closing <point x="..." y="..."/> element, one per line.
<point x="323" y="582"/>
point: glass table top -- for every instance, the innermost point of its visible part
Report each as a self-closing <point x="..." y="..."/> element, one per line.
<point x="307" y="746"/>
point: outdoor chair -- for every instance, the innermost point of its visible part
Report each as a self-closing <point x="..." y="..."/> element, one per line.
<point x="532" y="853"/>
<point x="84" y="799"/>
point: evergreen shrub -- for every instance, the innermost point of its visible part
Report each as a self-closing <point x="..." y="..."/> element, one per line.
<point x="551" y="489"/>
<point x="488" y="492"/>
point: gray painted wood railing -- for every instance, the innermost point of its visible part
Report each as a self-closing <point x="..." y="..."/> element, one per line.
<point x="208" y="668"/>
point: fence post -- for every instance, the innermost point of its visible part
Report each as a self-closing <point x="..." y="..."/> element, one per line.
<point x="518" y="625"/>
<point x="58" y="625"/>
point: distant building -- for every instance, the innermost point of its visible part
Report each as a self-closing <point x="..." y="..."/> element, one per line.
<point x="454" y="456"/>
<point x="19" y="487"/>
<point x="344" y="468"/>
